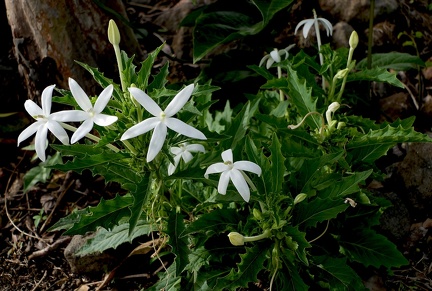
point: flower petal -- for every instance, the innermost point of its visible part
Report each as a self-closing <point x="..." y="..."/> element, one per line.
<point x="263" y="60"/>
<point x="269" y="63"/>
<point x="70" y="116"/>
<point x="307" y="27"/>
<point x="227" y="156"/>
<point x="156" y="142"/>
<point x="240" y="184"/>
<point x="104" y="119"/>
<point x="84" y="128"/>
<point x="248" y="166"/>
<point x="300" y="24"/>
<point x="33" y="109"/>
<point x="171" y="167"/>
<point x="47" y="99"/>
<point x="215" y="168"/>
<point x="223" y="182"/>
<point x="29" y="131"/>
<point x="80" y="96"/>
<point x="176" y="150"/>
<point x="146" y="101"/>
<point x="327" y="25"/>
<point x="275" y="56"/>
<point x="179" y="100"/>
<point x="58" y="131"/>
<point x="187" y="156"/>
<point x="40" y="142"/>
<point x="141" y="128"/>
<point x="195" y="148"/>
<point x="183" y="128"/>
<point x="102" y="100"/>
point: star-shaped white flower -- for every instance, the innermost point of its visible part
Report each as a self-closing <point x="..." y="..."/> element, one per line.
<point x="183" y="151"/>
<point x="275" y="56"/>
<point x="308" y="23"/>
<point x="89" y="114"/>
<point x="233" y="171"/>
<point x="44" y="121"/>
<point x="162" y="120"/>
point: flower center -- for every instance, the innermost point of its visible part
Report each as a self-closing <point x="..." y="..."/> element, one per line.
<point x="162" y="116"/>
<point x="229" y="164"/>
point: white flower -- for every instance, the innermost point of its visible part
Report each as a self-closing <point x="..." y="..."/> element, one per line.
<point x="275" y="56"/>
<point x="44" y="121"/>
<point x="330" y="110"/>
<point x="308" y="23"/>
<point x="183" y="151"/>
<point x="234" y="172"/>
<point x="89" y="114"/>
<point x="161" y="120"/>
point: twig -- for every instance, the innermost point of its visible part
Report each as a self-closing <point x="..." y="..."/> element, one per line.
<point x="49" y="248"/>
<point x="40" y="281"/>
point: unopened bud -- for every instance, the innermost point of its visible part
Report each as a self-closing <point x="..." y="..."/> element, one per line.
<point x="353" y="41"/>
<point x="257" y="214"/>
<point x="341" y="73"/>
<point x="299" y="198"/>
<point x="236" y="238"/>
<point x="113" y="33"/>
<point x="331" y="109"/>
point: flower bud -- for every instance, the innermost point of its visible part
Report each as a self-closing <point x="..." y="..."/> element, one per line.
<point x="353" y="40"/>
<point x="257" y="214"/>
<point x="236" y="239"/>
<point x="299" y="198"/>
<point x="341" y="73"/>
<point x="331" y="109"/>
<point x="113" y="33"/>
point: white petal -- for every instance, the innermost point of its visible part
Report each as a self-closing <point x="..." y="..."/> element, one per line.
<point x="263" y="60"/>
<point x="58" y="131"/>
<point x="187" y="156"/>
<point x="171" y="167"/>
<point x="40" y="142"/>
<point x="307" y="27"/>
<point x="70" y="116"/>
<point x="156" y="142"/>
<point x="183" y="128"/>
<point x="327" y="25"/>
<point x="176" y="150"/>
<point x="270" y="62"/>
<point x="29" y="131"/>
<point x="300" y="24"/>
<point x="104" y="119"/>
<point x="33" y="109"/>
<point x="84" y="128"/>
<point x="240" y="184"/>
<point x="47" y="99"/>
<point x="146" y="101"/>
<point x="223" y="182"/>
<point x="195" y="148"/>
<point x="103" y="99"/>
<point x="215" y="168"/>
<point x="80" y="96"/>
<point x="227" y="156"/>
<point x="248" y="166"/>
<point x="179" y="101"/>
<point x="275" y="56"/>
<point x="140" y="128"/>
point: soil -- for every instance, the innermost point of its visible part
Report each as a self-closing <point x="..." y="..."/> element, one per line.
<point x="31" y="258"/>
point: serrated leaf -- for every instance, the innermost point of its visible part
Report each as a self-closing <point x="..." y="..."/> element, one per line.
<point x="371" y="249"/>
<point x="110" y="239"/>
<point x="168" y="280"/>
<point x="393" y="60"/>
<point x="277" y="165"/>
<point x="318" y="210"/>
<point x="252" y="262"/>
<point x="144" y="73"/>
<point x="179" y="243"/>
<point x="160" y="79"/>
<point x="219" y="220"/>
<point x="376" y="75"/>
<point x="369" y="147"/>
<point x="41" y="172"/>
<point x="70" y="220"/>
<point x="106" y="214"/>
<point x="338" y="275"/>
<point x="300" y="238"/>
<point x="269" y="8"/>
<point x="346" y="186"/>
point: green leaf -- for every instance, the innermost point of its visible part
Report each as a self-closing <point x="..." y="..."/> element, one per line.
<point x="302" y="244"/>
<point x="277" y="165"/>
<point x="269" y="8"/>
<point x="302" y="99"/>
<point x="179" y="243"/>
<point x="160" y="79"/>
<point x="106" y="239"/>
<point x="168" y="280"/>
<point x="219" y="220"/>
<point x="318" y="210"/>
<point x="394" y="60"/>
<point x="145" y="72"/>
<point x="106" y="214"/>
<point x="70" y="220"/>
<point x="252" y="262"/>
<point x="346" y="186"/>
<point x="377" y="75"/>
<point x="369" y="147"/>
<point x="338" y="275"/>
<point x="371" y="249"/>
<point x="41" y="172"/>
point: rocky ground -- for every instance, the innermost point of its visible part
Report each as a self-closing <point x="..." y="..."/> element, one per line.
<point x="31" y="258"/>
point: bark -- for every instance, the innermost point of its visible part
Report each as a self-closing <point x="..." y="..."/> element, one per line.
<point x="50" y="35"/>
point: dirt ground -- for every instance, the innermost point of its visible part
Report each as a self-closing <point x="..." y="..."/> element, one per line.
<point x="31" y="258"/>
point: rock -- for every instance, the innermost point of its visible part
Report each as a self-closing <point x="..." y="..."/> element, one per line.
<point x="357" y="10"/>
<point x="396" y="219"/>
<point x="91" y="263"/>
<point x="341" y="34"/>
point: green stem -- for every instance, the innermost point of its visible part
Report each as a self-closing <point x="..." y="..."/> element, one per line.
<point x="264" y="235"/>
<point x="89" y="136"/>
<point x="281" y="94"/>
<point x="120" y="66"/>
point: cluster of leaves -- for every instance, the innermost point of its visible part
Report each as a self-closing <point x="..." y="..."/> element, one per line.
<point x="310" y="198"/>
